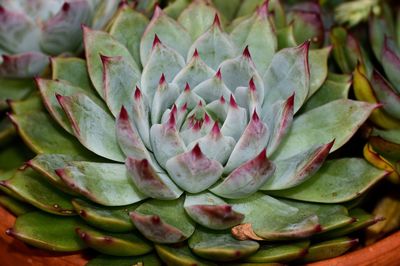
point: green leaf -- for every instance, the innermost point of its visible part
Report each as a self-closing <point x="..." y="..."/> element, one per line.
<point x="337" y="181"/>
<point x="337" y="120"/>
<point x="361" y="218"/>
<point x="47" y="231"/>
<point x="214" y="46"/>
<point x="111" y="219"/>
<point x="101" y="43"/>
<point x="49" y="137"/>
<point x="72" y="70"/>
<point x="329" y="249"/>
<point x="180" y="256"/>
<point x="171" y="33"/>
<point x="14" y="89"/>
<point x="294" y="170"/>
<point x="128" y="27"/>
<point x="31" y="187"/>
<point x="288" y="73"/>
<point x="163" y="221"/>
<point x="50" y="88"/>
<point x="91" y="125"/>
<point x="104" y="260"/>
<point x="220" y="246"/>
<point x="114" y="244"/>
<point x="285" y="252"/>
<point x="330" y="90"/>
<point x="271" y="219"/>
<point x="119" y="79"/>
<point x="197" y="18"/>
<point x="104" y="183"/>
<point x="15" y="206"/>
<point x="318" y="60"/>
<point x="257" y="33"/>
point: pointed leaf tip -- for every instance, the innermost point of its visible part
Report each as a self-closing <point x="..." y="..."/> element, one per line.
<point x="222" y="100"/>
<point x="187" y="87"/>
<point x="156" y="41"/>
<point x="216" y="21"/>
<point x="196" y="53"/>
<point x="174" y="109"/>
<point x="246" y="52"/>
<point x="123" y="115"/>
<point x="207" y="119"/>
<point x="171" y="120"/>
<point x="162" y="80"/>
<point x="138" y="93"/>
<point x="252" y="86"/>
<point x="216" y="131"/>
<point x="218" y="75"/>
<point x="196" y="151"/>
<point x="262" y="11"/>
<point x="255" y="116"/>
<point x="232" y="102"/>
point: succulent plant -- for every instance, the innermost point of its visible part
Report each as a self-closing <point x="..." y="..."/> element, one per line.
<point x="376" y="86"/>
<point x="180" y="139"/>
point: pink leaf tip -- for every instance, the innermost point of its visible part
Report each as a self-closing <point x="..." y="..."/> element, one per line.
<point x="200" y="104"/>
<point x="215" y="131"/>
<point x="196" y="53"/>
<point x="138" y="93"/>
<point x="252" y="86"/>
<point x="156" y="40"/>
<point x="162" y="80"/>
<point x="171" y="120"/>
<point x="155" y="219"/>
<point x="187" y="87"/>
<point x="262" y="155"/>
<point x="222" y="100"/>
<point x="262" y="11"/>
<point x="184" y="107"/>
<point x="174" y="109"/>
<point x="218" y="75"/>
<point x="216" y="21"/>
<point x="246" y="52"/>
<point x="207" y="118"/>
<point x="66" y="6"/>
<point x="196" y="151"/>
<point x="255" y="116"/>
<point x="123" y="115"/>
<point x="232" y="102"/>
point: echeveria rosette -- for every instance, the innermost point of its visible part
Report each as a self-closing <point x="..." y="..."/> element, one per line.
<point x="374" y="86"/>
<point x="210" y="140"/>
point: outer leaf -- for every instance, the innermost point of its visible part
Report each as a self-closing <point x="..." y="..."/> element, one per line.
<point x="111" y="219"/>
<point x="48" y="231"/>
<point x="337" y="181"/>
<point x="49" y="137"/>
<point x="279" y="252"/>
<point x="104" y="183"/>
<point x="391" y="62"/>
<point x="180" y="256"/>
<point x="113" y="243"/>
<point x="71" y="69"/>
<point x="104" y="260"/>
<point x="318" y="60"/>
<point x="91" y="125"/>
<point x="293" y="171"/>
<point x="50" y="88"/>
<point x="330" y="249"/>
<point x="128" y="28"/>
<point x="288" y="73"/>
<point x="220" y="246"/>
<point x="163" y="221"/>
<point x="100" y="43"/>
<point x="337" y="120"/>
<point x="271" y="219"/>
<point x="30" y="187"/>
